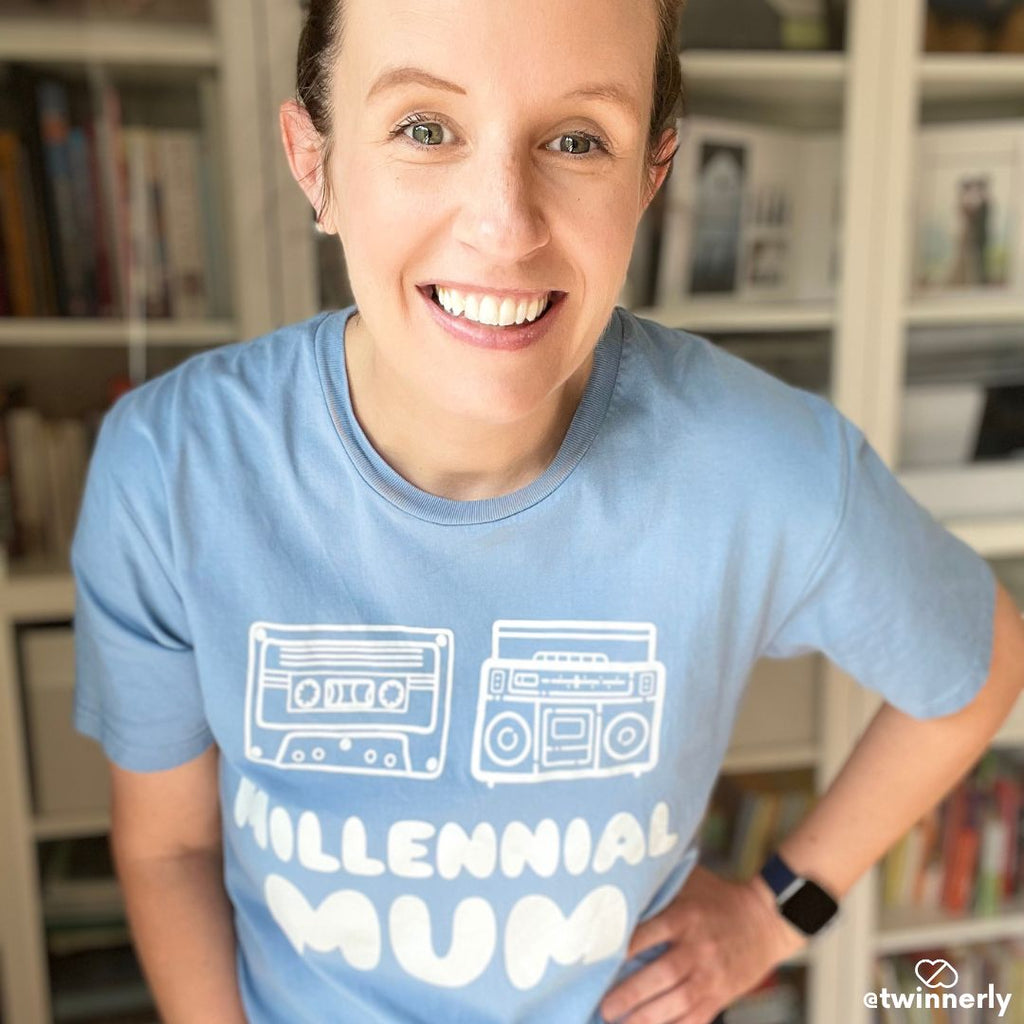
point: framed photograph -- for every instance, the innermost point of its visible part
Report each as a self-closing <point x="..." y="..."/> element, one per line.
<point x="751" y="213"/>
<point x="968" y="187"/>
<point x="718" y="216"/>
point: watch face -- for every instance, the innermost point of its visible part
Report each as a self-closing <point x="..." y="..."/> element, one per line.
<point x="810" y="908"/>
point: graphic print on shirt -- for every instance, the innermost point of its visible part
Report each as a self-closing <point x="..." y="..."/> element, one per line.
<point x="366" y="700"/>
<point x="568" y="700"/>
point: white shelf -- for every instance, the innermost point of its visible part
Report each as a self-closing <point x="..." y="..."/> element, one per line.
<point x="965" y="309"/>
<point x="907" y="929"/>
<point x="785" y="78"/>
<point x="71" y="826"/>
<point x="697" y="315"/>
<point x="94" y="331"/>
<point x="778" y="757"/>
<point x="36" y="592"/>
<point x="991" y="491"/>
<point x="951" y="77"/>
<point x="991" y="538"/>
<point x="79" y="40"/>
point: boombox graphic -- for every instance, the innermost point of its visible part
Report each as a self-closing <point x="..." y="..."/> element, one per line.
<point x="359" y="699"/>
<point x="568" y="700"/>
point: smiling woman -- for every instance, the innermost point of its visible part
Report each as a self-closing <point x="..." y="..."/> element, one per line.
<point x="521" y="176"/>
<point x="415" y="632"/>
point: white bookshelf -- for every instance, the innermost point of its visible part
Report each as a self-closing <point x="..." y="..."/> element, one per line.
<point x="782" y="79"/>
<point x="88" y="333"/>
<point x="906" y="930"/>
<point x="953" y="77"/>
<point x="803" y="715"/>
<point x="79" y="41"/>
<point x="721" y="316"/>
<point x="942" y="312"/>
<point x="992" y="537"/>
<point x="221" y="61"/>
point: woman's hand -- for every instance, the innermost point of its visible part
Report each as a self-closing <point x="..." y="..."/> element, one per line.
<point x="723" y="937"/>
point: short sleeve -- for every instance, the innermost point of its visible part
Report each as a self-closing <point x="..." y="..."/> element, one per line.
<point x="136" y="683"/>
<point x="895" y="599"/>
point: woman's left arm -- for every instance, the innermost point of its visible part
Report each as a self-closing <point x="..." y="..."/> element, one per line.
<point x="725" y="936"/>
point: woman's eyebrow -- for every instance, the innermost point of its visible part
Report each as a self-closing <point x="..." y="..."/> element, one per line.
<point x="392" y="78"/>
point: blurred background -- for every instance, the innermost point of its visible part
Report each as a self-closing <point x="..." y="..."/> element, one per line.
<point x="846" y="211"/>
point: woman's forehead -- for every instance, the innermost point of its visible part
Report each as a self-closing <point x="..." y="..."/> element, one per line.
<point x="540" y="44"/>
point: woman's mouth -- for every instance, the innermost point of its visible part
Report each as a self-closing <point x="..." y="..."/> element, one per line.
<point x="493" y="311"/>
<point x="482" y="320"/>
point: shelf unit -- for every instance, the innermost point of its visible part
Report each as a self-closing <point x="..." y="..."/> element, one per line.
<point x="871" y="92"/>
<point x="878" y="83"/>
<point x="227" y="56"/>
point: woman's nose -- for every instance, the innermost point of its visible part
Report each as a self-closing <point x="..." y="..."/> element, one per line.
<point x="500" y="210"/>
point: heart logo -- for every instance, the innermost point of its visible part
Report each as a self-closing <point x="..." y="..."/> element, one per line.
<point x="936" y="973"/>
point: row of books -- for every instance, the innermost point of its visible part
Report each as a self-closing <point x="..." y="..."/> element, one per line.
<point x="100" y="218"/>
<point x="967" y="854"/>
<point x="751" y="212"/>
<point x="946" y="986"/>
<point x="748" y="816"/>
<point x="43" y="464"/>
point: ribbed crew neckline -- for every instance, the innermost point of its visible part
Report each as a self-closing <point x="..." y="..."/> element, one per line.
<point x="330" y="356"/>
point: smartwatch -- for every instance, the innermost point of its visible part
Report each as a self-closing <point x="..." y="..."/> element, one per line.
<point x="800" y="900"/>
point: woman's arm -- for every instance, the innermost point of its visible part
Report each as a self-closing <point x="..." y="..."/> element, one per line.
<point x="166" y="843"/>
<point x="900" y="768"/>
<point x="724" y="937"/>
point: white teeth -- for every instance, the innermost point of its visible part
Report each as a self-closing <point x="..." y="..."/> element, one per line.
<point x="489" y="309"/>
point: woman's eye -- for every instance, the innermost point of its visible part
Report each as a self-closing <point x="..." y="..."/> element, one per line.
<point x="427" y="134"/>
<point x="580" y="143"/>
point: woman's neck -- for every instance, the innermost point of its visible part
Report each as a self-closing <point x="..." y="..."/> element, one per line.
<point x="456" y="458"/>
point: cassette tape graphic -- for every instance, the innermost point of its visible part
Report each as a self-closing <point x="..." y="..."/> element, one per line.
<point x="568" y="700"/>
<point x="368" y="700"/>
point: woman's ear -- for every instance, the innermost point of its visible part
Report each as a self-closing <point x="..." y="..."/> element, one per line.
<point x="669" y="141"/>
<point x="303" y="147"/>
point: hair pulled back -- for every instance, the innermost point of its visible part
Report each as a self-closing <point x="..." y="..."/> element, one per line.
<point x="321" y="41"/>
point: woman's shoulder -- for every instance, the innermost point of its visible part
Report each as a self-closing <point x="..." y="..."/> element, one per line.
<point x="720" y="391"/>
<point x="222" y="381"/>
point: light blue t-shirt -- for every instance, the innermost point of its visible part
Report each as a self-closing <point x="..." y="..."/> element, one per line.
<point x="466" y="745"/>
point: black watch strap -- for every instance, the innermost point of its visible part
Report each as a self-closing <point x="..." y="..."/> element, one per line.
<point x="800" y="900"/>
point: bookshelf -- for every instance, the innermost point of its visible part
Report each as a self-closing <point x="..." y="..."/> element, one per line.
<point x="797" y="716"/>
<point x="188" y="65"/>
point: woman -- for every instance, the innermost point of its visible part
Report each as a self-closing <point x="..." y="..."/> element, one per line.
<point x="416" y="643"/>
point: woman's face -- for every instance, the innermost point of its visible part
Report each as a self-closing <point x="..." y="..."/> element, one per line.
<point x="507" y="183"/>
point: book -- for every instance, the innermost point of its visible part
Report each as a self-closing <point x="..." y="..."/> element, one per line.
<point x="112" y="181"/>
<point x="54" y="131"/>
<point x="24" y="429"/>
<point x="14" y="222"/>
<point x="83" y="192"/>
<point x="212" y="188"/>
<point x="22" y="94"/>
<point x="176" y="153"/>
<point x="145" y="279"/>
